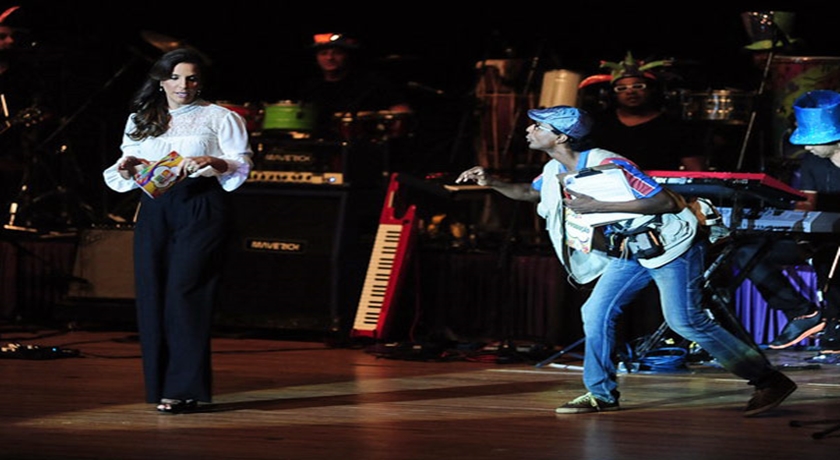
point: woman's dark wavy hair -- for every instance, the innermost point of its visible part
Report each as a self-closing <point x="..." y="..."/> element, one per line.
<point x="151" y="112"/>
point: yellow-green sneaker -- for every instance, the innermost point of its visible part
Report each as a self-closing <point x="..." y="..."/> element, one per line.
<point x="586" y="403"/>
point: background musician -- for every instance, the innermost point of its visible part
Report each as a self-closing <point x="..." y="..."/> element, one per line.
<point x="818" y="130"/>
<point x="636" y="123"/>
<point x="343" y="87"/>
<point x="21" y="104"/>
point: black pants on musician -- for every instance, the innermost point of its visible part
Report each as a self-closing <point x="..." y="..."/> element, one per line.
<point x="773" y="254"/>
<point x="179" y="242"/>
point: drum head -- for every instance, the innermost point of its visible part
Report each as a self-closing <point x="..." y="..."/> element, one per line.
<point x="288" y="116"/>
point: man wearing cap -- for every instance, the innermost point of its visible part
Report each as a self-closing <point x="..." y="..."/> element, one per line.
<point x="343" y="89"/>
<point x="818" y="130"/>
<point x="562" y="133"/>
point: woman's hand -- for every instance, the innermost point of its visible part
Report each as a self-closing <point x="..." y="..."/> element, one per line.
<point x="129" y="166"/>
<point x="195" y="164"/>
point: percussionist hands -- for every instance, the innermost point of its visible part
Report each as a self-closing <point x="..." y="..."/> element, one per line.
<point x="475" y="174"/>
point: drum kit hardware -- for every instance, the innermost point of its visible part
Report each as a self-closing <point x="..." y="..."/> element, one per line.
<point x="292" y="120"/>
<point x="373" y="126"/>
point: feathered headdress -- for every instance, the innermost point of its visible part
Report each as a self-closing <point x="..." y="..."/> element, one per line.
<point x="7" y="13"/>
<point x="629" y="67"/>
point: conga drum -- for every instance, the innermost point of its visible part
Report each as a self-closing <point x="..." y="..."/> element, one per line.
<point x="504" y="115"/>
<point x="560" y="87"/>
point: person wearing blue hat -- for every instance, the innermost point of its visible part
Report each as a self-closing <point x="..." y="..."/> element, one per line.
<point x="621" y="257"/>
<point x="817" y="115"/>
<point x="818" y="128"/>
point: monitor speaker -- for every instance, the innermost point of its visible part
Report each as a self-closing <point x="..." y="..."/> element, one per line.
<point x="104" y="265"/>
<point x="296" y="257"/>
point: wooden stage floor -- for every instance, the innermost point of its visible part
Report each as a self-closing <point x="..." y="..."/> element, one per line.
<point x="290" y="399"/>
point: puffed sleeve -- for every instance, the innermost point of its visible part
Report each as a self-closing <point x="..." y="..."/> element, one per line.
<point x="236" y="151"/>
<point x="129" y="148"/>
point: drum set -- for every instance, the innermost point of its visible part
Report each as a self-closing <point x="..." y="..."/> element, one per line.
<point x="292" y="120"/>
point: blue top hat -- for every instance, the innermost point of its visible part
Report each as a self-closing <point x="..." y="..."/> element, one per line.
<point x="570" y="121"/>
<point x="817" y="118"/>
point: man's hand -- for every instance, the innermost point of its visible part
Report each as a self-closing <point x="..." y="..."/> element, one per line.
<point x="475" y="174"/>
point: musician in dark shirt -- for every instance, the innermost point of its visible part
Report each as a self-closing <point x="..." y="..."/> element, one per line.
<point x="637" y="125"/>
<point x="344" y="91"/>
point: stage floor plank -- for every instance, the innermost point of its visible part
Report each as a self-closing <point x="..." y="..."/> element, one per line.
<point x="284" y="399"/>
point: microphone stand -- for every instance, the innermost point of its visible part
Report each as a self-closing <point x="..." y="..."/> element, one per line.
<point x="759" y="96"/>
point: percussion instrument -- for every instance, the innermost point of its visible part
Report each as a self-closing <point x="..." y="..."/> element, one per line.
<point x="503" y="114"/>
<point x="288" y="116"/>
<point x="726" y="105"/>
<point x="560" y="87"/>
<point x="395" y="125"/>
<point x="355" y="126"/>
<point x="373" y="125"/>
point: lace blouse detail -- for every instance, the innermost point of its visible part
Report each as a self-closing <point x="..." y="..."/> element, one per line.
<point x="197" y="129"/>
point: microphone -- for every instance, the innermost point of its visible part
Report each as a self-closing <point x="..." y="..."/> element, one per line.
<point x="422" y="87"/>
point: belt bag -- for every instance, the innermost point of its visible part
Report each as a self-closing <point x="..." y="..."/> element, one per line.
<point x="655" y="241"/>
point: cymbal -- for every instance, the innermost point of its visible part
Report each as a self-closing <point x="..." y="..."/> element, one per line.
<point x="160" y="41"/>
<point x="166" y="43"/>
<point x="398" y="58"/>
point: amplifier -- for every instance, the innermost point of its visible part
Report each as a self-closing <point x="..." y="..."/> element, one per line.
<point x="315" y="161"/>
<point x="305" y="155"/>
<point x="296" y="177"/>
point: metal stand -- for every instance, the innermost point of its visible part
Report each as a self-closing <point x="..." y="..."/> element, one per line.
<point x="818" y="434"/>
<point x="567" y="350"/>
<point x="836" y="423"/>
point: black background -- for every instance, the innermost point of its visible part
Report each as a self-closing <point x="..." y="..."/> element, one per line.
<point x="94" y="55"/>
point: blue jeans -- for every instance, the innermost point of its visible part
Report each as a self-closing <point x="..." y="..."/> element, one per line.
<point x="680" y="284"/>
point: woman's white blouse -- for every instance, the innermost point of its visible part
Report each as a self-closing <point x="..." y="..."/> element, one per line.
<point x="197" y="129"/>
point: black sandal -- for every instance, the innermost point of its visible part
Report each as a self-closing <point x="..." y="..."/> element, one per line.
<point x="176" y="406"/>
